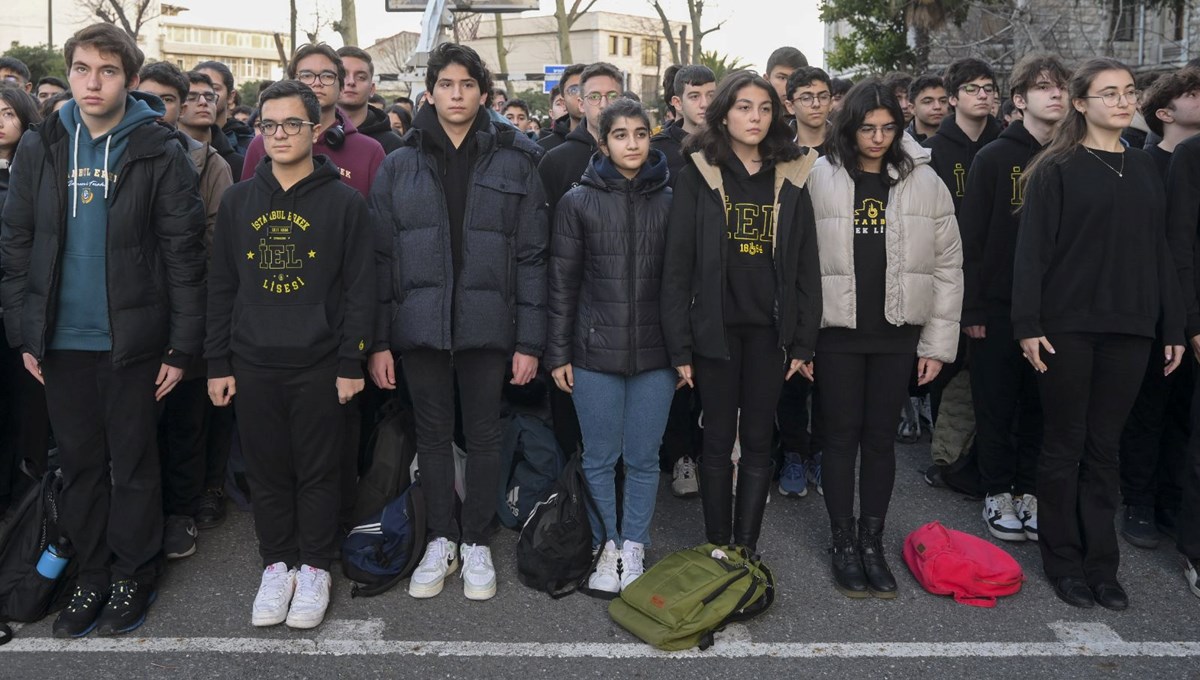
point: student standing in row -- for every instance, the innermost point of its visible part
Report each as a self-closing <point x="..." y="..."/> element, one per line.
<point x="930" y="105"/>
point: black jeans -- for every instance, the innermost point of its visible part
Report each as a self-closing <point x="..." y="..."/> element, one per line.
<point x="24" y="423"/>
<point x="1089" y="387"/>
<point x="1155" y="438"/>
<point x="1188" y="521"/>
<point x="792" y="416"/>
<point x="1008" y="411"/>
<point x="861" y="396"/>
<point x="431" y="376"/>
<point x="105" y="422"/>
<point x="292" y="430"/>
<point x="183" y="442"/>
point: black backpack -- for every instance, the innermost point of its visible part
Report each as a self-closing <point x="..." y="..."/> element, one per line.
<point x="554" y="550"/>
<point x="530" y="456"/>
<point x="392" y="447"/>
<point x="32" y="526"/>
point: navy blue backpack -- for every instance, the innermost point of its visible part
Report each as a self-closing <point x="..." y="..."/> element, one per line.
<point x="530" y="456"/>
<point x="386" y="547"/>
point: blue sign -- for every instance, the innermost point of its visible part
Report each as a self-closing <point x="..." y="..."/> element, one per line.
<point x="553" y="73"/>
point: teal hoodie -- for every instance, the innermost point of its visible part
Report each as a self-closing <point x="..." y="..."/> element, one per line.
<point x="82" y="319"/>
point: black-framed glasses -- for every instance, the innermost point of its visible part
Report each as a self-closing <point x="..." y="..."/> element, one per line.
<point x="1112" y="99"/>
<point x="309" y="77"/>
<point x="291" y="126"/>
<point x="595" y="97"/>
<point x="193" y="97"/>
<point x="972" y="88"/>
<point x="808" y="98"/>
<point x="870" y="130"/>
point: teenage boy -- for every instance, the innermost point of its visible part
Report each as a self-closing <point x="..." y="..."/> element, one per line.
<point x="356" y="155"/>
<point x="1171" y="107"/>
<point x="1004" y="385"/>
<point x="930" y="104"/>
<point x="299" y="282"/>
<point x="103" y="254"/>
<point x="462" y="228"/>
<point x="563" y="125"/>
<point x="516" y="111"/>
<point x="355" y="97"/>
<point x="691" y="93"/>
<point x="899" y="82"/>
<point x="14" y="72"/>
<point x="809" y="100"/>
<point x="971" y="87"/>
<point x="238" y="133"/>
<point x="839" y="87"/>
<point x="561" y="168"/>
<point x="47" y="87"/>
<point x="780" y="65"/>
<point x="193" y="119"/>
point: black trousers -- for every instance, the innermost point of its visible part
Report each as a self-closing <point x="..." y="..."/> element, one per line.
<point x="217" y="445"/>
<point x="183" y="442"/>
<point x="1187" y="523"/>
<point x="292" y="430"/>
<point x="105" y="422"/>
<point x="1008" y="411"/>
<point x="431" y="376"/>
<point x="792" y="417"/>
<point x="24" y="424"/>
<point x="1155" y="437"/>
<point x="683" y="436"/>
<point x="1087" y="391"/>
<point x="861" y="396"/>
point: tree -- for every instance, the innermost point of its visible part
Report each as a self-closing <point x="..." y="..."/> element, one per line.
<point x="680" y="53"/>
<point x="565" y="19"/>
<point x="876" y="41"/>
<point x="502" y="51"/>
<point x="695" y="14"/>
<point x="720" y="64"/>
<point x="667" y="32"/>
<point x="538" y="101"/>
<point x="347" y="26"/>
<point x="42" y="60"/>
<point x="130" y="15"/>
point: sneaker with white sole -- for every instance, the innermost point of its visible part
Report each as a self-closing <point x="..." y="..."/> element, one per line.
<point x="605" y="578"/>
<point x="1001" y="518"/>
<point x="633" y="558"/>
<point x="440" y="560"/>
<point x="793" y="477"/>
<point x="1191" y="571"/>
<point x="274" y="595"/>
<point x="478" y="574"/>
<point x="1026" y="507"/>
<point x="311" y="598"/>
<point x="683" y="478"/>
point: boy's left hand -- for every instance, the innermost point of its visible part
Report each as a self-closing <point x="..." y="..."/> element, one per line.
<point x="348" y="387"/>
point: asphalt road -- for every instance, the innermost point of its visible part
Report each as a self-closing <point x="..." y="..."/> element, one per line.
<point x="199" y="627"/>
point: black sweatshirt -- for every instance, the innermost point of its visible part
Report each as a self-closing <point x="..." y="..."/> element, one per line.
<point x="1183" y="224"/>
<point x="562" y="167"/>
<point x="749" y="227"/>
<point x="292" y="280"/>
<point x="669" y="140"/>
<point x="953" y="152"/>
<point x="1162" y="159"/>
<point x="1092" y="250"/>
<point x="988" y="220"/>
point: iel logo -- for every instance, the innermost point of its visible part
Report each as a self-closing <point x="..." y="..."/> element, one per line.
<point x="86" y="196"/>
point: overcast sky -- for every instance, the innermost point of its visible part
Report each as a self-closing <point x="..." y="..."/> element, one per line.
<point x="752" y="27"/>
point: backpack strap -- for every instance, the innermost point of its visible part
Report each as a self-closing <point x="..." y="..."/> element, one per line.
<point x="416" y="501"/>
<point x="742" y="611"/>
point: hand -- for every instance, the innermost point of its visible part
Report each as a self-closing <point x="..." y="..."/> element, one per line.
<point x="804" y="368"/>
<point x="976" y="332"/>
<point x="1195" y="347"/>
<point x="382" y="367"/>
<point x="524" y="367"/>
<point x="1032" y="349"/>
<point x="168" y="378"/>
<point x="35" y="369"/>
<point x="348" y="387"/>
<point x="1172" y="357"/>
<point x="221" y="390"/>
<point x="927" y="370"/>
<point x="564" y="377"/>
<point x="685" y="376"/>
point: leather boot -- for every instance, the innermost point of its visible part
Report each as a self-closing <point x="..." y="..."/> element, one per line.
<point x="716" y="496"/>
<point x="880" y="581"/>
<point x="754" y="483"/>
<point x="848" y="576"/>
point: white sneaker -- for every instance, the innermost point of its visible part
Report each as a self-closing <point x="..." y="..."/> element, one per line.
<point x="1001" y="518"/>
<point x="311" y="598"/>
<point x="633" y="557"/>
<point x="1026" y="508"/>
<point x="1191" y="571"/>
<point x="606" y="579"/>
<point x="683" y="478"/>
<point x="274" y="594"/>
<point x="440" y="561"/>
<point x="478" y="574"/>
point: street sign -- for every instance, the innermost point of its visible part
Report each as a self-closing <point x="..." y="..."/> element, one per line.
<point x="553" y="74"/>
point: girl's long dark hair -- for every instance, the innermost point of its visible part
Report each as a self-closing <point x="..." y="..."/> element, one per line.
<point x="23" y="104"/>
<point x="842" y="146"/>
<point x="714" y="141"/>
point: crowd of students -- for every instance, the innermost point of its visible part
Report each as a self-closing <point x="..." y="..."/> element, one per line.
<point x="784" y="239"/>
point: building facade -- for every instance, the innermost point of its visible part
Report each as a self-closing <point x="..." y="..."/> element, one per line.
<point x="251" y="55"/>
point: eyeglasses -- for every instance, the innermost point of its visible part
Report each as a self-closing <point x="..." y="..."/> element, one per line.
<point x="1112" y="99"/>
<point x="972" y="88"/>
<point x="595" y="97"/>
<point x="291" y="126"/>
<point x="573" y="90"/>
<point x="308" y="77"/>
<point x="194" y="97"/>
<point x="808" y="98"/>
<point x="870" y="130"/>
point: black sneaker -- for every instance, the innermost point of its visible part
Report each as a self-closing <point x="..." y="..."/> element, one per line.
<point x="179" y="537"/>
<point x="78" y="618"/>
<point x="211" y="510"/>
<point x="1137" y="526"/>
<point x="126" y="608"/>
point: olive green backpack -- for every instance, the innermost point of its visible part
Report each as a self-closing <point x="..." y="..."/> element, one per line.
<point x="681" y="601"/>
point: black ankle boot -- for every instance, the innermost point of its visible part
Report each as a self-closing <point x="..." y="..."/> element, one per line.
<point x="880" y="580"/>
<point x="753" y="486"/>
<point x="716" y="497"/>
<point x="848" y="575"/>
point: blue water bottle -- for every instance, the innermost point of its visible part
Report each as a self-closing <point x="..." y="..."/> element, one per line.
<point x="52" y="562"/>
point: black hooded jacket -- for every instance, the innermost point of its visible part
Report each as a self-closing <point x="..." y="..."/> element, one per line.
<point x="606" y="265"/>
<point x="557" y="134"/>
<point x="953" y="152"/>
<point x="377" y="126"/>
<point x="562" y="168"/>
<point x="293" y="275"/>
<point x="238" y="134"/>
<point x="225" y="150"/>
<point x="669" y="140"/>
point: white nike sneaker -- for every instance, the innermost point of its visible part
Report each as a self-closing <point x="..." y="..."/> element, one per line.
<point x="311" y="598"/>
<point x="478" y="574"/>
<point x="633" y="557"/>
<point x="274" y="595"/>
<point x="440" y="560"/>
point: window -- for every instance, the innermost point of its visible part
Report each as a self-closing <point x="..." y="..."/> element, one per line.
<point x="650" y="52"/>
<point x="612" y="45"/>
<point x="650" y="85"/>
<point x="628" y="51"/>
<point x="1123" y="20"/>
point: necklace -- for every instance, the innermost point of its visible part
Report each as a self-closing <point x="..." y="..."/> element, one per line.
<point x="1120" y="173"/>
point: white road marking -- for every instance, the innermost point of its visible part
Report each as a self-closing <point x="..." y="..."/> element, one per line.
<point x="1074" y="640"/>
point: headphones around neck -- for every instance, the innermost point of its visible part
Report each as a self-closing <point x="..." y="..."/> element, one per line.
<point x="334" y="137"/>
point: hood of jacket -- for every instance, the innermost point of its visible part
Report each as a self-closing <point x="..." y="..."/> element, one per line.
<point x="220" y="142"/>
<point x="375" y="123"/>
<point x="951" y="131"/>
<point x="602" y="174"/>
<point x="140" y="108"/>
<point x="795" y="171"/>
<point x="562" y="125"/>
<point x="324" y="171"/>
<point x="1016" y="133"/>
<point x="427" y="134"/>
<point x="673" y="132"/>
<point x="582" y="135"/>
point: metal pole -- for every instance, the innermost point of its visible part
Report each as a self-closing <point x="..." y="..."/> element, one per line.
<point x="50" y="23"/>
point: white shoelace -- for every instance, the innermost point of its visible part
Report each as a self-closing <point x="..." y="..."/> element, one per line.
<point x="307" y="582"/>
<point x="1030" y="505"/>
<point x="435" y="555"/>
<point x="1004" y="504"/>
<point x="687" y="468"/>
<point x="633" y="565"/>
<point x="608" y="562"/>
<point x="476" y="556"/>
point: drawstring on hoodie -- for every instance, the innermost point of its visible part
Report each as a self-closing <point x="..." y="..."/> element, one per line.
<point x="75" y="184"/>
<point x="107" y="141"/>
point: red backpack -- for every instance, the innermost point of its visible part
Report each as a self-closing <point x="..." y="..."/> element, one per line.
<point x="948" y="562"/>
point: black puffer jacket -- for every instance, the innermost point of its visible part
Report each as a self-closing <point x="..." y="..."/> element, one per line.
<point x="498" y="300"/>
<point x="606" y="264"/>
<point x="154" y="253"/>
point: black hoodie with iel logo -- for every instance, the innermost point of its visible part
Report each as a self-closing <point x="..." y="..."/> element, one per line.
<point x="953" y="152"/>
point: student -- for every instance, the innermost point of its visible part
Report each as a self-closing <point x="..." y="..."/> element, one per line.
<point x="1091" y="279"/>
<point x="669" y="112"/>
<point x="192" y="121"/>
<point x="808" y="99"/>
<point x="691" y="93"/>
<point x="375" y="101"/>
<point x="900" y="81"/>
<point x="780" y="65"/>
<point x="404" y="103"/>
<point x="891" y="280"/>
<point x="1003" y="385"/>
<point x="838" y="87"/>
<point x="741" y="290"/>
<point x="53" y="104"/>
<point x="499" y="99"/>
<point x="972" y="87"/>
<point x="930" y="104"/>
<point x="1009" y="112"/>
<point x="605" y="343"/>
<point x="400" y="118"/>
<point x="516" y="111"/>
<point x="243" y="113"/>
<point x="15" y="73"/>
<point x="1171" y="107"/>
<point x="302" y="279"/>
<point x="238" y="133"/>
<point x="356" y="93"/>
<point x="47" y="87"/>
<point x="461" y="219"/>
<point x="108" y="324"/>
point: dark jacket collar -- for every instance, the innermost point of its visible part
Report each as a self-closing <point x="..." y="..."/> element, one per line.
<point x="602" y="174"/>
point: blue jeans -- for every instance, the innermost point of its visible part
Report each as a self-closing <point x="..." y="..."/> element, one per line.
<point x="622" y="417"/>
